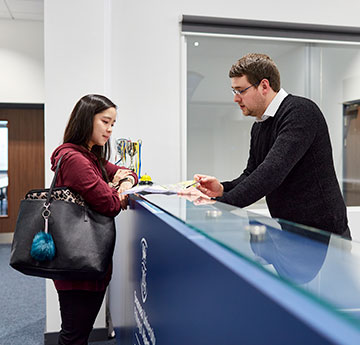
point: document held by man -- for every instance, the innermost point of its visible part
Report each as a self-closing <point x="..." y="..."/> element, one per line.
<point x="160" y="189"/>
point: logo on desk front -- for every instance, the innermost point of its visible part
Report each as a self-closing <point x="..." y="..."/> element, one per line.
<point x="143" y="287"/>
<point x="144" y="330"/>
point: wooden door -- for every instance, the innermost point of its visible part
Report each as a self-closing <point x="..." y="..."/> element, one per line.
<point x="25" y="156"/>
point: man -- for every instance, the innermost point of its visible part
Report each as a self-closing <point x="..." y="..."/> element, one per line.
<point x="290" y="159"/>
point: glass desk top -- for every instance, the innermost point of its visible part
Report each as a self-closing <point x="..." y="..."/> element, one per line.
<point x="323" y="266"/>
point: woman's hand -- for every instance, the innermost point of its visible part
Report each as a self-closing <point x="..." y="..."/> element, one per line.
<point x="120" y="174"/>
<point x="124" y="198"/>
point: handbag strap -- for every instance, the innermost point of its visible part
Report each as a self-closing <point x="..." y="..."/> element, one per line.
<point x="47" y="202"/>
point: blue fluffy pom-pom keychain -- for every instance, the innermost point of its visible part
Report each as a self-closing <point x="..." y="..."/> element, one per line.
<point x="43" y="246"/>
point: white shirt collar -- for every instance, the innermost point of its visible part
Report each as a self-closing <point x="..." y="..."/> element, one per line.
<point x="273" y="106"/>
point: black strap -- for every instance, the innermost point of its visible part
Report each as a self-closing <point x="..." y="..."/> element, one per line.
<point x="47" y="202"/>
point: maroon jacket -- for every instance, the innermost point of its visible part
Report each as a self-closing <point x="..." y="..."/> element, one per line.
<point x="80" y="171"/>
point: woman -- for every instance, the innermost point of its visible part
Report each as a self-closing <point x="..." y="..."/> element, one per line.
<point x="85" y="169"/>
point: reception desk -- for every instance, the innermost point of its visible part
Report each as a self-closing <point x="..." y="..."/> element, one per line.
<point x="219" y="275"/>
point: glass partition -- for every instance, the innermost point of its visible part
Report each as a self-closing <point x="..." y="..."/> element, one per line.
<point x="218" y="135"/>
<point x="3" y="168"/>
<point x="323" y="266"/>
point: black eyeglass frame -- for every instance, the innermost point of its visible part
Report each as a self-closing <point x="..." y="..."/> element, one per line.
<point x="240" y="92"/>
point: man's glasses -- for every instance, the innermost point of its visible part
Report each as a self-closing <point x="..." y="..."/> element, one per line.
<point x="240" y="92"/>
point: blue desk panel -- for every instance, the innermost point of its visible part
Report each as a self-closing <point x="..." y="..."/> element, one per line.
<point x="175" y="284"/>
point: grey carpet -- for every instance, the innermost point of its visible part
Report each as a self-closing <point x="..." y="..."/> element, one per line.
<point x="22" y="306"/>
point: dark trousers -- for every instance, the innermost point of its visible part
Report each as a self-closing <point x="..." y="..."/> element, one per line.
<point x="78" y="309"/>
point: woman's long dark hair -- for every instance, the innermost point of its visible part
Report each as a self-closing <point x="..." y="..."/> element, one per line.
<point x="80" y="126"/>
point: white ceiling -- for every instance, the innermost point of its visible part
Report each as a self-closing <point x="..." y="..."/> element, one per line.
<point x="22" y="9"/>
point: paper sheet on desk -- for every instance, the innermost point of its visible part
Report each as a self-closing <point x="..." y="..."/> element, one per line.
<point x="159" y="189"/>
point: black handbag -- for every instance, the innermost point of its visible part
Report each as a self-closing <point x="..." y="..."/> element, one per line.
<point x="84" y="239"/>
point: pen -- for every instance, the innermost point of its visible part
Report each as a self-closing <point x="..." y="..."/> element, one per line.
<point x="193" y="184"/>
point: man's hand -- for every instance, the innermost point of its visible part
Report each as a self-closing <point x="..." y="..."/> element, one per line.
<point x="192" y="194"/>
<point x="203" y="201"/>
<point x="209" y="185"/>
<point x="195" y="196"/>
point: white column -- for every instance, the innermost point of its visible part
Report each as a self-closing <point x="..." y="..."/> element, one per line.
<point x="77" y="54"/>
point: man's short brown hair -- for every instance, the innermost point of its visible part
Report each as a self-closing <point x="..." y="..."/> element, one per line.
<point x="257" y="67"/>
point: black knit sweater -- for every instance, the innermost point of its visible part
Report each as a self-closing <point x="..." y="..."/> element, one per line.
<point x="291" y="164"/>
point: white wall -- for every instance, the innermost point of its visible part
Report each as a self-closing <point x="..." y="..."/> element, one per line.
<point x="147" y="73"/>
<point x="76" y="62"/>
<point x="21" y="61"/>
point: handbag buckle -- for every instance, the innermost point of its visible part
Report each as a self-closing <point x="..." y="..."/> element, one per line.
<point x="46" y="214"/>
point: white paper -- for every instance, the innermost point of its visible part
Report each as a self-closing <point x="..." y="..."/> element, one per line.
<point x="159" y="189"/>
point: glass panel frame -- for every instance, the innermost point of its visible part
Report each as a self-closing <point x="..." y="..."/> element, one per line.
<point x="4" y="178"/>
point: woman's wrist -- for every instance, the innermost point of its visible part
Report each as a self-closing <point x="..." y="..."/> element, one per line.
<point x="129" y="178"/>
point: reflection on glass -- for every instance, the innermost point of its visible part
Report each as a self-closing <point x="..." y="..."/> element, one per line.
<point x="295" y="258"/>
<point x="3" y="168"/>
